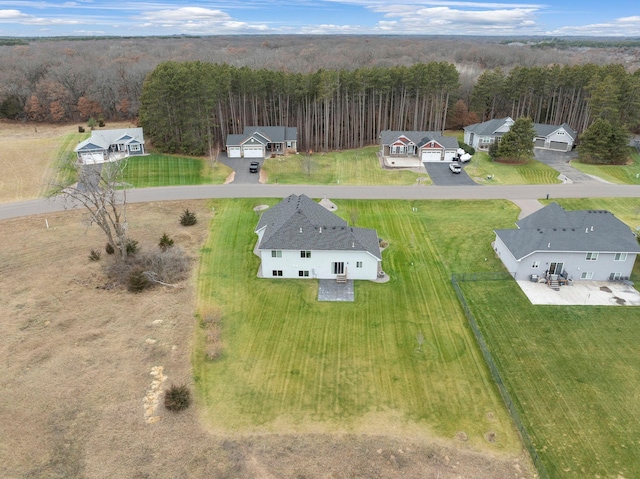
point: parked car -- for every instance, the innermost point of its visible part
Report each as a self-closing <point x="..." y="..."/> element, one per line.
<point x="455" y="167"/>
<point x="254" y="166"/>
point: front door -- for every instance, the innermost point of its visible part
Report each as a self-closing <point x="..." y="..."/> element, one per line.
<point x="556" y="268"/>
<point x="337" y="268"/>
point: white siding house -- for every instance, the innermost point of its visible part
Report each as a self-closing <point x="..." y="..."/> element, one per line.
<point x="577" y="245"/>
<point x="110" y="145"/>
<point x="262" y="141"/>
<point x="299" y="238"/>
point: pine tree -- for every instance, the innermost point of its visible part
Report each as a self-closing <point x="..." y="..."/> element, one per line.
<point x="604" y="143"/>
<point x="517" y="144"/>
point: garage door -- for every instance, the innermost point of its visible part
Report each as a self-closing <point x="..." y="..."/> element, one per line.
<point x="539" y="143"/>
<point x="449" y="155"/>
<point x="253" y="152"/>
<point x="233" y="152"/>
<point x="558" y="145"/>
<point x="431" y="155"/>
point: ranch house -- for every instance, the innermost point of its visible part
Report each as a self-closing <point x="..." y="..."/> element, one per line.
<point x="262" y="141"/>
<point x="427" y="146"/>
<point x="105" y="146"/>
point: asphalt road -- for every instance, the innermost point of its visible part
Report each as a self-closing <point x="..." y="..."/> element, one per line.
<point x="510" y="192"/>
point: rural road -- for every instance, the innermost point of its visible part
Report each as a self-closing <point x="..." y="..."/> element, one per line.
<point x="510" y="192"/>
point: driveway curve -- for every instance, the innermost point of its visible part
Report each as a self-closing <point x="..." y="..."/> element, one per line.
<point x="507" y="192"/>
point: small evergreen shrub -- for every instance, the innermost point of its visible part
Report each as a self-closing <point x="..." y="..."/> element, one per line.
<point x="467" y="148"/>
<point x="80" y="129"/>
<point x="137" y="281"/>
<point x="100" y="122"/>
<point x="165" y="242"/>
<point x="177" y="398"/>
<point x="94" y="255"/>
<point x="109" y="249"/>
<point x="132" y="246"/>
<point x="188" y="218"/>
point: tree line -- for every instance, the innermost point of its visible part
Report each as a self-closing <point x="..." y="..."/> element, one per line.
<point x="192" y="106"/>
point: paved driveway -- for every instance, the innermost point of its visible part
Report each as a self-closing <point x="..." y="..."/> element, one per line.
<point x="560" y="161"/>
<point x="241" y="167"/>
<point x="441" y="175"/>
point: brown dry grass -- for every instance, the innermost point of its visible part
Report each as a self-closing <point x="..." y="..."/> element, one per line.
<point x="81" y="363"/>
<point x="77" y="364"/>
<point x="27" y="155"/>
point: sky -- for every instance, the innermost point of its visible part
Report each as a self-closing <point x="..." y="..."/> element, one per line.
<point x="614" y="18"/>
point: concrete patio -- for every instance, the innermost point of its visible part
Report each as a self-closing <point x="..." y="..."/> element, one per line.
<point x="592" y="293"/>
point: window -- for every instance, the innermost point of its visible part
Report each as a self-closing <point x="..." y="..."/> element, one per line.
<point x="277" y="272"/>
<point x="276" y="253"/>
<point x="305" y="254"/>
<point x="535" y="264"/>
<point x="303" y="273"/>
<point x="615" y="276"/>
<point x="134" y="147"/>
<point x="358" y="264"/>
<point x="586" y="275"/>
<point x="620" y="257"/>
<point x="486" y="139"/>
<point x="592" y="256"/>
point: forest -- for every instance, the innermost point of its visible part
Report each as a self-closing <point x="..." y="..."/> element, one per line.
<point x="340" y="91"/>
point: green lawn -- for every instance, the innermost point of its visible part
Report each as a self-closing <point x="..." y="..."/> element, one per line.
<point x="63" y="172"/>
<point x="352" y="167"/>
<point x="623" y="174"/>
<point x="168" y="170"/>
<point x="292" y="363"/>
<point x="574" y="375"/>
<point x="530" y="173"/>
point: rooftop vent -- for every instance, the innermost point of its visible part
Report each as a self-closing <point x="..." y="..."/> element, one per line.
<point x="548" y="245"/>
<point x="301" y="229"/>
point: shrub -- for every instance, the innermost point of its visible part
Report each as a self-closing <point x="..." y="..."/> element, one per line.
<point x="137" y="281"/>
<point x="100" y="122"/>
<point x="188" y="218"/>
<point x="493" y="151"/>
<point x="80" y="129"/>
<point x="94" y="255"/>
<point x="109" y="248"/>
<point x="131" y="246"/>
<point x="168" y="267"/>
<point x="177" y="398"/>
<point x="165" y="242"/>
<point x="467" y="148"/>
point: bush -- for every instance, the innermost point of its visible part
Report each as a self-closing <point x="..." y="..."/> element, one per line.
<point x="137" y="281"/>
<point x="109" y="248"/>
<point x="132" y="246"/>
<point x="168" y="267"/>
<point x="80" y="129"/>
<point x="177" y="398"/>
<point x="94" y="255"/>
<point x="467" y="148"/>
<point x="165" y="242"/>
<point x="493" y="151"/>
<point x="188" y="218"/>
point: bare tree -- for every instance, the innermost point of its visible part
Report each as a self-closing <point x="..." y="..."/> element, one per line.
<point x="100" y="191"/>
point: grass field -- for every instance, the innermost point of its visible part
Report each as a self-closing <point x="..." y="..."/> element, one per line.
<point x="169" y="170"/>
<point x="621" y="174"/>
<point x="290" y="362"/>
<point x="530" y="173"/>
<point x="352" y="167"/>
<point x="574" y="374"/>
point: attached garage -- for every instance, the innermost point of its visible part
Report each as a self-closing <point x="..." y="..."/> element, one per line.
<point x="538" y="143"/>
<point x="431" y="155"/>
<point x="233" y="151"/>
<point x="449" y="155"/>
<point x="253" y="152"/>
<point x="559" y="145"/>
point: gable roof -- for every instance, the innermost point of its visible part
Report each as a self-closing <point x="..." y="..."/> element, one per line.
<point x="419" y="138"/>
<point x="102" y="139"/>
<point x="543" y="130"/>
<point x="298" y="222"/>
<point x="489" y="127"/>
<point x="264" y="134"/>
<point x="554" y="229"/>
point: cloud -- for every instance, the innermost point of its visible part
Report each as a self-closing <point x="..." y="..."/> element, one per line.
<point x="623" y="26"/>
<point x="198" y="20"/>
<point x="16" y="16"/>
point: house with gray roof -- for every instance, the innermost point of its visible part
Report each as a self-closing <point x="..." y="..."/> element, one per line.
<point x="299" y="238"/>
<point x="262" y="141"/>
<point x="105" y="146"/>
<point x="575" y="245"/>
<point x="427" y="146"/>
<point x="553" y="137"/>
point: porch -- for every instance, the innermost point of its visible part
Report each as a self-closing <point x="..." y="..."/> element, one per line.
<point x="586" y="293"/>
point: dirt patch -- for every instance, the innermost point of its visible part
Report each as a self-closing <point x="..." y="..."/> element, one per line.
<point x="82" y="384"/>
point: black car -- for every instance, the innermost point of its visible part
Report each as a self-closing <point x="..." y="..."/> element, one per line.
<point x="254" y="166"/>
